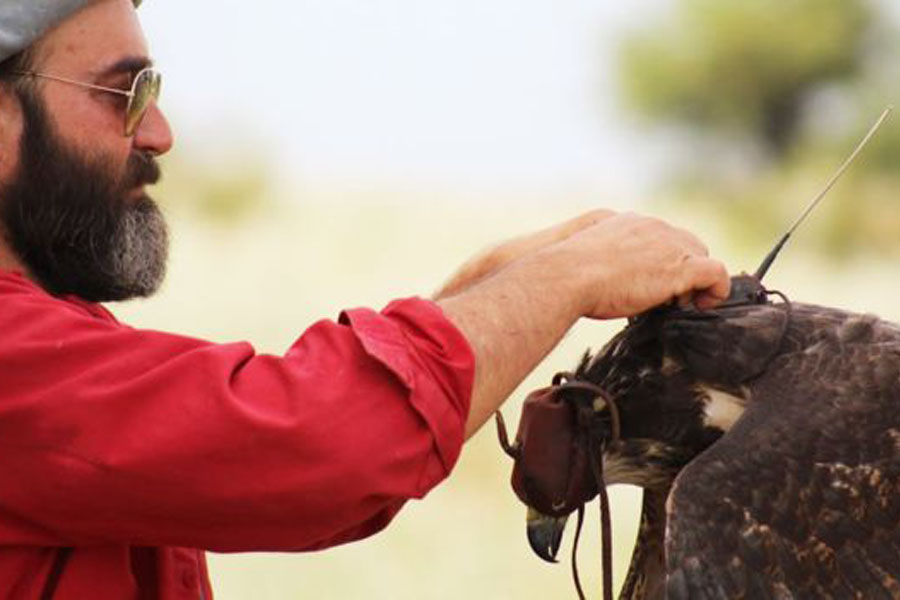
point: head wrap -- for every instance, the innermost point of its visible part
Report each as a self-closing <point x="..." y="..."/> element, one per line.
<point x="22" y="22"/>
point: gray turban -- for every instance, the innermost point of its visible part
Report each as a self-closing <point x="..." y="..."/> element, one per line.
<point x="22" y="22"/>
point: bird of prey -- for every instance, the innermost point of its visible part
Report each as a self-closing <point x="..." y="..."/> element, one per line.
<point x="766" y="438"/>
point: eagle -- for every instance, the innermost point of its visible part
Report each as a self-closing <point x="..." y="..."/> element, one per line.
<point x="765" y="435"/>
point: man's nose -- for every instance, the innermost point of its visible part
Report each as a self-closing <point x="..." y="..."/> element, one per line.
<point x="154" y="135"/>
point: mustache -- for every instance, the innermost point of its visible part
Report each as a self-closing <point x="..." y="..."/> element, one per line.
<point x="142" y="169"/>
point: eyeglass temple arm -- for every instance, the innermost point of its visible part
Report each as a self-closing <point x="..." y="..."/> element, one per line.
<point x="102" y="88"/>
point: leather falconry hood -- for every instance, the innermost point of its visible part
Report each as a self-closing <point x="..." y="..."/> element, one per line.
<point x="552" y="472"/>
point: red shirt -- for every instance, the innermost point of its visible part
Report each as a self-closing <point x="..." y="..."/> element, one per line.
<point x="141" y="449"/>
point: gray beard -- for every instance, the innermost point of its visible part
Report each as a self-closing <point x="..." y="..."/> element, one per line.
<point x="138" y="261"/>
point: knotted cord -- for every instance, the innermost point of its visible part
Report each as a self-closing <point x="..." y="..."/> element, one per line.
<point x="575" y="553"/>
<point x="567" y="381"/>
<point x="563" y="381"/>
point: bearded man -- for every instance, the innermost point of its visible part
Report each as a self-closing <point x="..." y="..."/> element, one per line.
<point x="126" y="453"/>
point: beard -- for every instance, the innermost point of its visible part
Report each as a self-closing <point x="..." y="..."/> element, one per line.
<point x="70" y="221"/>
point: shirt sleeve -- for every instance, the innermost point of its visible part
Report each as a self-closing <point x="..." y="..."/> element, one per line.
<point x="114" y="434"/>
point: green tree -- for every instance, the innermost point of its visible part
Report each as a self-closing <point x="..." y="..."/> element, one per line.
<point x="744" y="67"/>
<point x="754" y="74"/>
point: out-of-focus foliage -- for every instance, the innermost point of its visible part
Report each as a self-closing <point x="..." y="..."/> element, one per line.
<point x="744" y="65"/>
<point x="796" y="82"/>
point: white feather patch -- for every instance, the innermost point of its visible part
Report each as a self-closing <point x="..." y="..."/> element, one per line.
<point x="721" y="409"/>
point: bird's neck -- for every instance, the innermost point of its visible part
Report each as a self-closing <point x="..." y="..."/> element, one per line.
<point x="646" y="463"/>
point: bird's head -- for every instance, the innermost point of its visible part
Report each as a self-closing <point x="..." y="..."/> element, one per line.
<point x="659" y="393"/>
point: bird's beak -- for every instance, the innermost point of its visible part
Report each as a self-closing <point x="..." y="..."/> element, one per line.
<point x="544" y="534"/>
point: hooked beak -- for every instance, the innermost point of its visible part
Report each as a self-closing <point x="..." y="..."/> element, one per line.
<point x="544" y="534"/>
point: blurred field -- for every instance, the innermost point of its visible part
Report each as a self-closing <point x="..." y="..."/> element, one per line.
<point x="740" y="111"/>
<point x="291" y="263"/>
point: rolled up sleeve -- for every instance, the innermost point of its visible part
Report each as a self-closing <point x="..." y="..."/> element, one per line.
<point x="433" y="360"/>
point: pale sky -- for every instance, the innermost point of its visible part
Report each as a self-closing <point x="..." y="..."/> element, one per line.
<point x="462" y="93"/>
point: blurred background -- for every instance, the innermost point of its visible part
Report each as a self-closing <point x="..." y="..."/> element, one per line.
<point x="340" y="153"/>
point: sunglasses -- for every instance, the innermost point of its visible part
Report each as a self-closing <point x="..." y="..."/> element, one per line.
<point x="144" y="89"/>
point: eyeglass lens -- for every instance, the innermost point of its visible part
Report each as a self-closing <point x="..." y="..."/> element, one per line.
<point x="145" y="89"/>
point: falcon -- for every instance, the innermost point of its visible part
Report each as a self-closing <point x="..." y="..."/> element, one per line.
<point x="765" y="436"/>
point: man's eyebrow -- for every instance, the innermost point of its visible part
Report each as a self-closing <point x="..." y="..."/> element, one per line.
<point x="129" y="64"/>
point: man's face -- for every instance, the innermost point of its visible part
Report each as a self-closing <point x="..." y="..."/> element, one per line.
<point x="73" y="209"/>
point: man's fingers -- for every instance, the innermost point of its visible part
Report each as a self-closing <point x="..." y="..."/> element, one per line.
<point x="489" y="262"/>
<point x="704" y="301"/>
<point x="583" y="221"/>
<point x="559" y="232"/>
<point x="696" y="246"/>
<point x="709" y="279"/>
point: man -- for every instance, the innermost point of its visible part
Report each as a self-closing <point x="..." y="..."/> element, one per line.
<point x="126" y="453"/>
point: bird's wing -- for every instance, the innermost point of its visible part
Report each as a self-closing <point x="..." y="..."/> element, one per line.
<point x="801" y="498"/>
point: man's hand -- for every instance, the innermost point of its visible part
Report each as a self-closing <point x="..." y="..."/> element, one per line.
<point x="514" y="306"/>
<point x="628" y="264"/>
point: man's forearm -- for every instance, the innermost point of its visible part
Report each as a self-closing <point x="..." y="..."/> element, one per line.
<point x="511" y="320"/>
